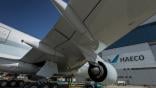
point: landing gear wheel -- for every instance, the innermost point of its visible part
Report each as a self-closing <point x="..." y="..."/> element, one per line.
<point x="55" y="86"/>
<point x="45" y="86"/>
<point x="3" y="83"/>
<point x="20" y="83"/>
<point x="13" y="83"/>
<point x="97" y="71"/>
<point x="34" y="86"/>
<point x="89" y="86"/>
<point x="27" y="86"/>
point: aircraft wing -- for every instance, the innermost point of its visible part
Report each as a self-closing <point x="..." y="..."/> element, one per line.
<point x="109" y="20"/>
<point x="105" y="20"/>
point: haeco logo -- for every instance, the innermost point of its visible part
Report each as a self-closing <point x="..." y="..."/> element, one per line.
<point x="114" y="60"/>
<point x="127" y="59"/>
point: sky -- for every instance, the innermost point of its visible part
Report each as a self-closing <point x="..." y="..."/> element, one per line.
<point x="35" y="17"/>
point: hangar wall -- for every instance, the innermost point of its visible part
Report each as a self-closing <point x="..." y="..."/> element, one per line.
<point x="135" y="64"/>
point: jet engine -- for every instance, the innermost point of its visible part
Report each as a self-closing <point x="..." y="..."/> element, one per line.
<point x="101" y="71"/>
<point x="98" y="71"/>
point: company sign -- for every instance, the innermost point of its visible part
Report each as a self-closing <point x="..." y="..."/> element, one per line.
<point x="135" y="58"/>
<point x="132" y="56"/>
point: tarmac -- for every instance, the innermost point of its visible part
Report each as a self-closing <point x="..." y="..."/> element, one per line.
<point x="129" y="87"/>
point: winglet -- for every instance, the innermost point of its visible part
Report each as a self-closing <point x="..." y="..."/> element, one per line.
<point x="60" y="4"/>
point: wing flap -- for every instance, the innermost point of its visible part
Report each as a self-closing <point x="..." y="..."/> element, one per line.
<point x="54" y="39"/>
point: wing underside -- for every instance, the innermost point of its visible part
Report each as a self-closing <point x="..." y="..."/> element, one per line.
<point x="105" y="20"/>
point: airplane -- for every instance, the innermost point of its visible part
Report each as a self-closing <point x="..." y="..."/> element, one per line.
<point x="85" y="28"/>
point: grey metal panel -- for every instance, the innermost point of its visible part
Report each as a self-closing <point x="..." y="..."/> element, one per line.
<point x="83" y="8"/>
<point x="138" y="77"/>
<point x="71" y="52"/>
<point x="53" y="39"/>
<point x="64" y="27"/>
<point x="143" y="77"/>
<point x="112" y="19"/>
<point x="4" y="33"/>
<point x="33" y="56"/>
<point x="153" y="48"/>
<point x="127" y="49"/>
<point x="48" y="70"/>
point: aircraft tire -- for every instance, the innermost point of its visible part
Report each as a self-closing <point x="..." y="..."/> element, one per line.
<point x="44" y="86"/>
<point x="34" y="86"/>
<point x="3" y="83"/>
<point x="13" y="83"/>
<point x="89" y="86"/>
<point x="20" y="83"/>
<point x="55" y="86"/>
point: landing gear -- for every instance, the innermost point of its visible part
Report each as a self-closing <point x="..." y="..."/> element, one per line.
<point x="3" y="83"/>
<point x="34" y="86"/>
<point x="31" y="85"/>
<point x="13" y="83"/>
<point x="55" y="86"/>
<point x="89" y="86"/>
<point x="44" y="86"/>
<point x="21" y="83"/>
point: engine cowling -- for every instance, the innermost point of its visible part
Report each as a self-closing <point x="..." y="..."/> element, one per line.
<point x="101" y="71"/>
<point x="97" y="71"/>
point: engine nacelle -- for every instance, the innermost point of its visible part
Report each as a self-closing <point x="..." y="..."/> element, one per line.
<point x="97" y="71"/>
<point x="100" y="71"/>
<point x="104" y="72"/>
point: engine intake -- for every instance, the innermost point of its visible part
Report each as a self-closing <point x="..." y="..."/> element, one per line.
<point x="97" y="71"/>
<point x="101" y="71"/>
